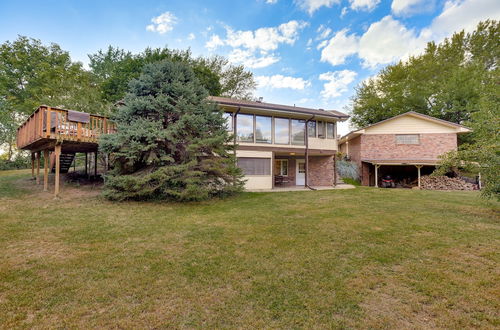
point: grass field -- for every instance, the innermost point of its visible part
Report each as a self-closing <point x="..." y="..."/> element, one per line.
<point x="360" y="258"/>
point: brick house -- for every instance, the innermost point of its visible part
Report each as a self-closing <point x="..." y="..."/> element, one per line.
<point x="405" y="146"/>
<point x="282" y="146"/>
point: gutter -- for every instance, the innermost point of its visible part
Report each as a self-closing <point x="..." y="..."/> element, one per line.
<point x="307" y="152"/>
<point x="330" y="116"/>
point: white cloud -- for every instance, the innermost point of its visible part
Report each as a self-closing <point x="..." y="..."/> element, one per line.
<point x="191" y="36"/>
<point x="339" y="47"/>
<point x="163" y="23"/>
<point x="367" y="5"/>
<point x="280" y="81"/>
<point x="312" y="5"/>
<point x="343" y="12"/>
<point x="337" y="82"/>
<point x="384" y="42"/>
<point x="214" y="42"/>
<point x="266" y="39"/>
<point x="250" y="60"/>
<point x="387" y="41"/>
<point x="253" y="48"/>
<point x="271" y="2"/>
<point x="407" y="7"/>
<point x="461" y="15"/>
<point x="323" y="32"/>
<point x="322" y="44"/>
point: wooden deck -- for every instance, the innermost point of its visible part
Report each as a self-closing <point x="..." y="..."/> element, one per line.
<point x="49" y="129"/>
<point x="49" y="126"/>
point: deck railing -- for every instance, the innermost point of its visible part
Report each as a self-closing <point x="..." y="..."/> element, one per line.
<point x="53" y="123"/>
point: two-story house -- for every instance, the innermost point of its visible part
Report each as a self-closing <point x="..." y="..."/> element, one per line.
<point x="280" y="145"/>
<point x="407" y="146"/>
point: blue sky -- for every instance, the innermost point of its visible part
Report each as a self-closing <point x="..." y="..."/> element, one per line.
<point x="304" y="52"/>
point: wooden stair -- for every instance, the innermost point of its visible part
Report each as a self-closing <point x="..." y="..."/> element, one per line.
<point x="66" y="160"/>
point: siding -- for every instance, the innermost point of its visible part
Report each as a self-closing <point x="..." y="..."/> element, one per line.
<point x="409" y="125"/>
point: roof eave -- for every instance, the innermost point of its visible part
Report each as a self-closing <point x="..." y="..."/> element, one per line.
<point x="251" y="106"/>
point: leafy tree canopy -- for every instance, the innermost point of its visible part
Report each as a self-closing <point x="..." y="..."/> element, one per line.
<point x="171" y="143"/>
<point x="445" y="81"/>
<point x="116" y="67"/>
<point x="32" y="74"/>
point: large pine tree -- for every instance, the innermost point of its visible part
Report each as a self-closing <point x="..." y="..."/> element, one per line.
<point x="171" y="143"/>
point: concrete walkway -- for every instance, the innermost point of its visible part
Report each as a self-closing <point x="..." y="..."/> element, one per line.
<point x="302" y="188"/>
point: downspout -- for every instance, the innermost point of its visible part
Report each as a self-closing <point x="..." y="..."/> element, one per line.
<point x="307" y="152"/>
<point x="234" y="129"/>
<point x="234" y="139"/>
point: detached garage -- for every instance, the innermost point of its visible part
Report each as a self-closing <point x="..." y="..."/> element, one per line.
<point x="405" y="147"/>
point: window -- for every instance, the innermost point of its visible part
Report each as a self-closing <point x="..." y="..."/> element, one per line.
<point x="298" y="131"/>
<point x="311" y="129"/>
<point x="281" y="130"/>
<point x="330" y="130"/>
<point x="321" y="129"/>
<point x="407" y="139"/>
<point x="302" y="167"/>
<point x="263" y="129"/>
<point x="228" y="117"/>
<point x="282" y="167"/>
<point x="244" y="128"/>
<point x="255" y="166"/>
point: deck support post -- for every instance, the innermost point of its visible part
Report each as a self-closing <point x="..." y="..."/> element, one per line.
<point x="376" y="175"/>
<point x="86" y="162"/>
<point x="38" y="155"/>
<point x="95" y="164"/>
<point x="418" y="169"/>
<point x="45" y="170"/>
<point x="58" y="168"/>
<point x="33" y="165"/>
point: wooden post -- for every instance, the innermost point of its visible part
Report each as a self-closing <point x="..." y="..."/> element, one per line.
<point x="376" y="175"/>
<point x="33" y="165"/>
<point x="46" y="170"/>
<point x="95" y="164"/>
<point x="79" y="131"/>
<point x="38" y="155"/>
<point x="47" y="127"/>
<point x="418" y="169"/>
<point x="58" y="168"/>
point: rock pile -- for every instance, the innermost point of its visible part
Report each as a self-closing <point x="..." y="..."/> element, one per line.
<point x="445" y="183"/>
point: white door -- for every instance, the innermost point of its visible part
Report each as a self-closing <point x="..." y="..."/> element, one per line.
<point x="300" y="176"/>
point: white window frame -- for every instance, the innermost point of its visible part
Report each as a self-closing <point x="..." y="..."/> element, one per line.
<point x="407" y="139"/>
<point x="282" y="162"/>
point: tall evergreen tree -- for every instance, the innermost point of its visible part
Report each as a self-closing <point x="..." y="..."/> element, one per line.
<point x="171" y="143"/>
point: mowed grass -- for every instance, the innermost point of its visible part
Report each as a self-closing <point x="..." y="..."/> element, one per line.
<point x="361" y="258"/>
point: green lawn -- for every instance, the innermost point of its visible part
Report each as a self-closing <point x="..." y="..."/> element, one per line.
<point x="360" y="258"/>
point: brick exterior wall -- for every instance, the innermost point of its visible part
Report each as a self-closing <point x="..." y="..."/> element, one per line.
<point x="355" y="149"/>
<point x="320" y="171"/>
<point x="383" y="146"/>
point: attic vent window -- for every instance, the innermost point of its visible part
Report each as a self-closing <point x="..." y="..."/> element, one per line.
<point x="407" y="139"/>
